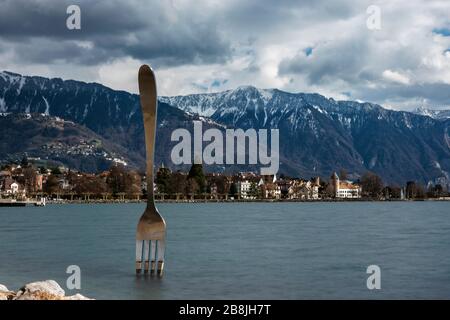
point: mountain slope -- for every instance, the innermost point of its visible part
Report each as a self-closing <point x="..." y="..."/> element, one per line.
<point x="57" y="141"/>
<point x="319" y="135"/>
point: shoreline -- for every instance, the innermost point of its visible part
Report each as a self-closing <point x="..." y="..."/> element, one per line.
<point x="72" y="202"/>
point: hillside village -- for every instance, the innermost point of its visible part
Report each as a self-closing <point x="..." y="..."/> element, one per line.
<point x="26" y="181"/>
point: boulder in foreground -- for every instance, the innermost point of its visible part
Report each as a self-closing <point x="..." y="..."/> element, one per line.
<point x="41" y="290"/>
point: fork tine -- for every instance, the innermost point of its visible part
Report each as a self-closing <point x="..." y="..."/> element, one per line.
<point x="146" y="255"/>
<point x="160" y="257"/>
<point x="152" y="256"/>
<point x="139" y="256"/>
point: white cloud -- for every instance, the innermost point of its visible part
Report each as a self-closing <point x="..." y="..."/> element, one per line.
<point x="395" y="77"/>
<point x="120" y="74"/>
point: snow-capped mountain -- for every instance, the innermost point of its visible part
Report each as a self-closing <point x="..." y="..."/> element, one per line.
<point x="267" y="107"/>
<point x="77" y="101"/>
<point x="114" y="115"/>
<point x="209" y="104"/>
<point x="435" y="114"/>
<point x="317" y="135"/>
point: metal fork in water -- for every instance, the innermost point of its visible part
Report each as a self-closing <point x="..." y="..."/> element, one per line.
<point x="151" y="229"/>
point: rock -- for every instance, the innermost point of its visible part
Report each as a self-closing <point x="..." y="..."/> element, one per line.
<point x="42" y="290"/>
<point x="5" y="294"/>
<point x="76" y="297"/>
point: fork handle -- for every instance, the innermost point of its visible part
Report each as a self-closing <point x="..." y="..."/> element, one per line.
<point x="149" y="105"/>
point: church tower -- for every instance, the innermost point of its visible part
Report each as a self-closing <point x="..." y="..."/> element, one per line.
<point x="335" y="183"/>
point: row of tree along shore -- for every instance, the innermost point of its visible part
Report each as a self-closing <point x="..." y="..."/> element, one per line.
<point x="120" y="184"/>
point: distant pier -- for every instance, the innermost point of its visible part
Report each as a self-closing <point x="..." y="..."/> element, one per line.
<point x="22" y="203"/>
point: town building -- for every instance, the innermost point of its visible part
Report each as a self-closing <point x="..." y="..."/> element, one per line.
<point x="269" y="187"/>
<point x="344" y="189"/>
<point x="248" y="185"/>
<point x="14" y="188"/>
<point x="304" y="190"/>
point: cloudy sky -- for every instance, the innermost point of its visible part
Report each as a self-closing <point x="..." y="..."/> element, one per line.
<point x="205" y="46"/>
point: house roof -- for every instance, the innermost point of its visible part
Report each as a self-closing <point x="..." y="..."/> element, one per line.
<point x="348" y="185"/>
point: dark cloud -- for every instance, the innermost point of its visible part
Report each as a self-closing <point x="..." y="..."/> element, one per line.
<point x="140" y="29"/>
<point x="44" y="51"/>
<point x="257" y="17"/>
<point x="47" y="18"/>
<point x="343" y="59"/>
<point x="435" y="94"/>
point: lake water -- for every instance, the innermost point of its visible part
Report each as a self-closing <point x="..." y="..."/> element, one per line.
<point x="236" y="251"/>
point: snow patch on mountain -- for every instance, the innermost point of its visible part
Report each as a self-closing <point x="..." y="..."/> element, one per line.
<point x="407" y="121"/>
<point x="9" y="77"/>
<point x="21" y="84"/>
<point x="3" y="108"/>
<point x="3" y="76"/>
<point x="435" y="114"/>
<point x="194" y="104"/>
<point x="47" y="107"/>
<point x="319" y="109"/>
<point x="266" y="95"/>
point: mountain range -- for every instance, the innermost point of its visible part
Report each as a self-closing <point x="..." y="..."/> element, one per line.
<point x="114" y="116"/>
<point x="435" y="114"/>
<point x="318" y="135"/>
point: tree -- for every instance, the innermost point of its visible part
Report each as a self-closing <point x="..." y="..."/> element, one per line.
<point x="24" y="162"/>
<point x="30" y="176"/>
<point x="177" y="183"/>
<point x="89" y="184"/>
<point x="394" y="192"/>
<point x="197" y="174"/>
<point x="411" y="190"/>
<point x="438" y="190"/>
<point x="162" y="180"/>
<point x="372" y="185"/>
<point x="233" y="189"/>
<point x="253" y="191"/>
<point x="56" y="171"/>
<point x="328" y="190"/>
<point x="122" y="181"/>
<point x="132" y="183"/>
<point x="221" y="183"/>
<point x="116" y="179"/>
<point x="52" y="185"/>
<point x="192" y="187"/>
<point x="420" y="194"/>
<point x="435" y="191"/>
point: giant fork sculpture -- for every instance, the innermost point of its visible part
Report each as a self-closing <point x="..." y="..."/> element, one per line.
<point x="151" y="229"/>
